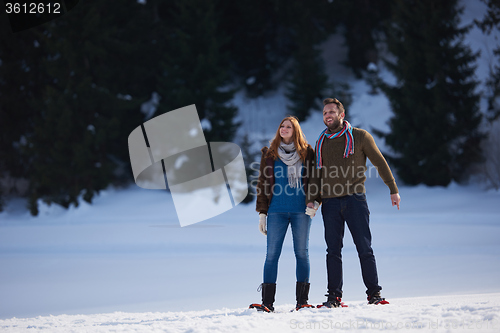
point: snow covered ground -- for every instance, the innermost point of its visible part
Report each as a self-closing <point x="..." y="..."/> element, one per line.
<point x="124" y="263"/>
<point x="471" y="313"/>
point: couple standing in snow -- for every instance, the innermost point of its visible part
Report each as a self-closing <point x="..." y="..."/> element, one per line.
<point x="294" y="180"/>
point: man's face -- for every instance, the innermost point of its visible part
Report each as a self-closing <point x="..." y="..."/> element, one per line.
<point x="331" y="116"/>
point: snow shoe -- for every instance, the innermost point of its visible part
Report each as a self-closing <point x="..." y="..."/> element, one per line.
<point x="303" y="306"/>
<point x="333" y="302"/>
<point x="376" y="299"/>
<point x="302" y="294"/>
<point x="262" y="307"/>
<point x="268" y="292"/>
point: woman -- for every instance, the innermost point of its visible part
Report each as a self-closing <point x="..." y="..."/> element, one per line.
<point x="281" y="199"/>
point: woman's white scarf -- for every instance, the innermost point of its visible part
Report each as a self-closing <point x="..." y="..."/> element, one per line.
<point x="289" y="155"/>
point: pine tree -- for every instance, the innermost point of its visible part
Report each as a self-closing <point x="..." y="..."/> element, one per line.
<point x="19" y="84"/>
<point x="435" y="132"/>
<point x="264" y="36"/>
<point x="490" y="23"/>
<point x="309" y="26"/>
<point x="251" y="158"/>
<point x="84" y="96"/>
<point x="1" y="200"/>
<point x="194" y="70"/>
<point x="307" y="83"/>
<point x="257" y="43"/>
<point x="489" y="170"/>
<point x="362" y="22"/>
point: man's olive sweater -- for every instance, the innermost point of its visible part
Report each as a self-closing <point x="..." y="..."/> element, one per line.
<point x="345" y="176"/>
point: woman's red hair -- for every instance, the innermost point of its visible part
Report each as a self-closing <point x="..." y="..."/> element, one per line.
<point x="298" y="138"/>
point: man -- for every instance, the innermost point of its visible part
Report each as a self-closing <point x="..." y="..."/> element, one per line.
<point x="338" y="178"/>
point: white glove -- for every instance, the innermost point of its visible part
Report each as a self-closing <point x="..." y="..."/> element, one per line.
<point x="262" y="223"/>
<point x="312" y="211"/>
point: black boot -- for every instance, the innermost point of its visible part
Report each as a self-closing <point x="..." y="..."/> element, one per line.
<point x="268" y="292"/>
<point x="376" y="299"/>
<point x="302" y="294"/>
<point x="333" y="302"/>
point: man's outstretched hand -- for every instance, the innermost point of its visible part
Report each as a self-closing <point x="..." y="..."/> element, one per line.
<point x="395" y="199"/>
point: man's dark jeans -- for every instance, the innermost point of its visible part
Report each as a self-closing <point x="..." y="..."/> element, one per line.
<point x="353" y="210"/>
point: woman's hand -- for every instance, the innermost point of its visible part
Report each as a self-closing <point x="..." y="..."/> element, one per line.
<point x="262" y="223"/>
<point x="312" y="208"/>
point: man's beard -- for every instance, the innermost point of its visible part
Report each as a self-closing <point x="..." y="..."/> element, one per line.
<point x="334" y="125"/>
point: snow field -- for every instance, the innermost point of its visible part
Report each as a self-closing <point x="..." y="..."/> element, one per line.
<point x="475" y="313"/>
<point x="123" y="264"/>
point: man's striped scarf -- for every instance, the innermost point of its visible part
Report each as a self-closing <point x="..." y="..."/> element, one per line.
<point x="349" y="142"/>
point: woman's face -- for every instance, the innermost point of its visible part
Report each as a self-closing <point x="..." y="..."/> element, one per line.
<point x="286" y="131"/>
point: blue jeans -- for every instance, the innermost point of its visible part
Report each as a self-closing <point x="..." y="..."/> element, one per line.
<point x="277" y="225"/>
<point x="353" y="210"/>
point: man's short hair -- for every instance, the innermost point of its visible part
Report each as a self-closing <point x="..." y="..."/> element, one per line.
<point x="336" y="102"/>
